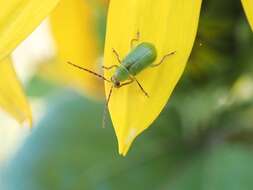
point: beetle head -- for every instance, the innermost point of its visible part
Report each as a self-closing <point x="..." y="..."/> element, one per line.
<point x="115" y="82"/>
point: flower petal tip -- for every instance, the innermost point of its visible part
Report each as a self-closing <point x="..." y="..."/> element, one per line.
<point x="125" y="141"/>
<point x="123" y="149"/>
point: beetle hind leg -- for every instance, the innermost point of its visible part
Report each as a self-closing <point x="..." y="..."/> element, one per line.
<point x="163" y="59"/>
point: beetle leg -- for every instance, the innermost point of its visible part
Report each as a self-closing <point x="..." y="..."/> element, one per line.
<point x="127" y="83"/>
<point x="163" y="59"/>
<point x="111" y="67"/>
<point x="117" y="55"/>
<point x="139" y="84"/>
<point x="132" y="79"/>
<point x="135" y="39"/>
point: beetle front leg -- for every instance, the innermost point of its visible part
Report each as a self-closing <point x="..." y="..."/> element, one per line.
<point x="163" y="59"/>
<point x="127" y="83"/>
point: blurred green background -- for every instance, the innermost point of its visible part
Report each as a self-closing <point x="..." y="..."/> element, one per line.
<point x="201" y="141"/>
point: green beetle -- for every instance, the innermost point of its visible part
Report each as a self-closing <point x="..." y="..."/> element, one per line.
<point x="139" y="58"/>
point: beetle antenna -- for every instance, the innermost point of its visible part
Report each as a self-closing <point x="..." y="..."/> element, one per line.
<point x="89" y="71"/>
<point x="106" y="106"/>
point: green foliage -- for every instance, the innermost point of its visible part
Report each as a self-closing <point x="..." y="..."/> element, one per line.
<point x="225" y="167"/>
<point x="39" y="87"/>
<point x="70" y="150"/>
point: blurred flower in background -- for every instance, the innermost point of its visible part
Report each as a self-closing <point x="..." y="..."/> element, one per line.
<point x="41" y="62"/>
<point x="77" y="27"/>
<point x="15" y="28"/>
<point x="38" y="46"/>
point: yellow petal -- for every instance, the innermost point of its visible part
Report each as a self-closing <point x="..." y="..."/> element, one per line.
<point x="248" y="7"/>
<point x="171" y="26"/>
<point x="12" y="97"/>
<point x="76" y="41"/>
<point x="18" y="18"/>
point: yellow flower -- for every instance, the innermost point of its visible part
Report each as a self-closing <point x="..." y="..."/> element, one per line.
<point x="75" y="41"/>
<point x="12" y="98"/>
<point x="170" y="26"/>
<point x="18" y="18"/>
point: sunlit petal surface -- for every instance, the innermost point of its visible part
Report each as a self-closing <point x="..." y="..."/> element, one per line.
<point x="18" y="18"/>
<point x="76" y="41"/>
<point x="12" y="97"/>
<point x="171" y="26"/>
<point x="248" y="7"/>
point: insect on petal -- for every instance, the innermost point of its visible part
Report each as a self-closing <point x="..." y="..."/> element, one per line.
<point x="12" y="97"/>
<point x="248" y="7"/>
<point x="170" y="26"/>
<point x="76" y="41"/>
<point x="18" y="18"/>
